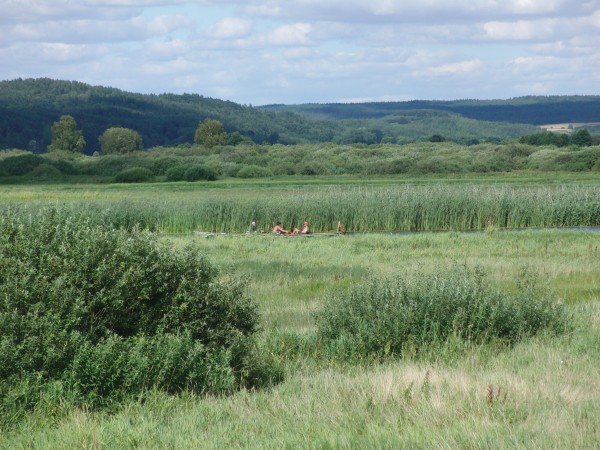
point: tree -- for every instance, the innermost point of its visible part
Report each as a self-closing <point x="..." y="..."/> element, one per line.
<point x="582" y="138"/>
<point x="66" y="136"/>
<point x="120" y="140"/>
<point x="210" y="133"/>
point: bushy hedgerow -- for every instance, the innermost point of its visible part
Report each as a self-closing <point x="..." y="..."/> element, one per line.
<point x="388" y="316"/>
<point x="110" y="165"/>
<point x="134" y="175"/>
<point x="107" y="313"/>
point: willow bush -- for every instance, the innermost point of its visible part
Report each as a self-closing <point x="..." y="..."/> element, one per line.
<point x="394" y="317"/>
<point x="108" y="313"/>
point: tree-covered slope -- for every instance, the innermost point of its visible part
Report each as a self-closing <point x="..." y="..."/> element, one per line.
<point x="28" y="108"/>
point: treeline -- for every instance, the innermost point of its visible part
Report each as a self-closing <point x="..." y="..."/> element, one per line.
<point x="580" y="137"/>
<point x="29" y="107"/>
<point x="196" y="162"/>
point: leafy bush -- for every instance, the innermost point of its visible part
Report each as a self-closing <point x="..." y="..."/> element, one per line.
<point x="21" y="164"/>
<point x="110" y="165"/>
<point x="65" y="167"/>
<point x="45" y="171"/>
<point x="199" y="172"/>
<point x="176" y="173"/>
<point x="388" y="317"/>
<point x="110" y="313"/>
<point x="253" y="171"/>
<point x="134" y="175"/>
<point x="162" y="164"/>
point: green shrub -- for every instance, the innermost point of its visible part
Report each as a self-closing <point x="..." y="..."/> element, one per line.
<point x="162" y="164"/>
<point x="45" y="171"/>
<point x="21" y="164"/>
<point x="112" y="313"/>
<point x="199" y="172"/>
<point x="176" y="173"/>
<point x="114" y="367"/>
<point x="110" y="165"/>
<point x="134" y="175"/>
<point x="252" y="171"/>
<point x="390" y="316"/>
<point x="65" y="167"/>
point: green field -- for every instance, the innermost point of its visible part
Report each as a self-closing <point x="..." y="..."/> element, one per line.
<point x="544" y="392"/>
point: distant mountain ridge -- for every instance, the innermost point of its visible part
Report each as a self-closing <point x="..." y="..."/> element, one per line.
<point x="29" y="107"/>
<point x="533" y="110"/>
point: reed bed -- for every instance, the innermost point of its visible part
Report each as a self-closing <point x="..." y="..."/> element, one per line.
<point x="440" y="207"/>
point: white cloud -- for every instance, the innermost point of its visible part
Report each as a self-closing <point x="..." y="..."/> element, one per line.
<point x="459" y="68"/>
<point x="296" y="34"/>
<point x="521" y="30"/>
<point x="231" y="28"/>
<point x="285" y="51"/>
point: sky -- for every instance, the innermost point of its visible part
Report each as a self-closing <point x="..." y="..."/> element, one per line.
<point x="309" y="51"/>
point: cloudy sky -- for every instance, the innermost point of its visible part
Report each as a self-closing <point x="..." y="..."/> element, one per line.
<point x="299" y="51"/>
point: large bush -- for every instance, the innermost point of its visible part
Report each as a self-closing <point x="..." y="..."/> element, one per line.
<point x="21" y="164"/>
<point x="388" y="316"/>
<point x="199" y="172"/>
<point x="110" y="313"/>
<point x="134" y="175"/>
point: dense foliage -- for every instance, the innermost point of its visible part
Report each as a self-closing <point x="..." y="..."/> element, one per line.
<point x="210" y="133"/>
<point x="581" y="138"/>
<point x="120" y="140"/>
<point x="101" y="314"/>
<point x="398" y="316"/>
<point x="66" y="137"/>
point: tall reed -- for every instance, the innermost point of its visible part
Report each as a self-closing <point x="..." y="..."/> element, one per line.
<point x="361" y="209"/>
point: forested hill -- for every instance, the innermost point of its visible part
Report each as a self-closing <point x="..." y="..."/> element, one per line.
<point x="29" y="107"/>
<point x="533" y="110"/>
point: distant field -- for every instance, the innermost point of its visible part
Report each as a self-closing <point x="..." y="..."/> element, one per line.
<point x="568" y="127"/>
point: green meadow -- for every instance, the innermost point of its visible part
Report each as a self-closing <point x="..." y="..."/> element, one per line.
<point x="542" y="391"/>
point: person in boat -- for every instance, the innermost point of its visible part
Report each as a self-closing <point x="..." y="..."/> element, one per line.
<point x="278" y="229"/>
<point x="305" y="229"/>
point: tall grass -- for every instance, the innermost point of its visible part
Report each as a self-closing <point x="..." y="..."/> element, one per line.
<point x="360" y="209"/>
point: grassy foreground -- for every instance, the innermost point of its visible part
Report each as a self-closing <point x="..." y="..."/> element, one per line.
<point x="543" y="393"/>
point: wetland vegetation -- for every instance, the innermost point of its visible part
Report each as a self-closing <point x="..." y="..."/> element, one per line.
<point x="536" y="385"/>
